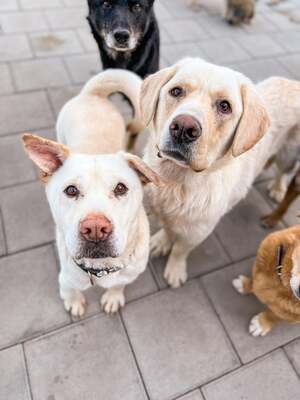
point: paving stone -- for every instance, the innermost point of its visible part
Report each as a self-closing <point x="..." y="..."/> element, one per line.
<point x="223" y="50"/>
<point x="260" y="24"/>
<point x="83" y="67"/>
<point x="75" y="3"/>
<point x="6" y="85"/>
<point x="66" y="18"/>
<point x="30" y="302"/>
<point x="281" y="21"/>
<point x="15" y="166"/>
<point x="175" y="52"/>
<point x="258" y="70"/>
<point x="38" y="74"/>
<point x="293" y="352"/>
<point x="87" y="40"/>
<point x="30" y="4"/>
<point x="270" y="378"/>
<point x="289" y="40"/>
<point x="13" y="379"/>
<point x="25" y="207"/>
<point x="219" y="28"/>
<point x="184" y="30"/>
<point x="23" y="22"/>
<point x="91" y="358"/>
<point x="165" y="37"/>
<point x="161" y="11"/>
<point x="8" y="5"/>
<point x="195" y="395"/>
<point x="236" y="312"/>
<point x="2" y="237"/>
<point x="14" y="47"/>
<point x="205" y="258"/>
<point x="55" y="43"/>
<point x="240" y="231"/>
<point x="260" y="45"/>
<point x="21" y="112"/>
<point x="292" y="63"/>
<point x="59" y="97"/>
<point x="170" y="333"/>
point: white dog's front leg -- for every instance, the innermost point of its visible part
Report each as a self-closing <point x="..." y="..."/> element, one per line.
<point x="74" y="301"/>
<point x="113" y="299"/>
<point x="176" y="269"/>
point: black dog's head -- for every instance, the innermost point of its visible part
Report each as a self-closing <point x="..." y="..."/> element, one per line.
<point x="120" y="23"/>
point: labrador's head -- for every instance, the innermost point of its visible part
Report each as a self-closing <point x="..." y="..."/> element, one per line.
<point x="95" y="200"/>
<point x="200" y="111"/>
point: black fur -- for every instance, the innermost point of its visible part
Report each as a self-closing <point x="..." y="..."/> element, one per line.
<point x="107" y="17"/>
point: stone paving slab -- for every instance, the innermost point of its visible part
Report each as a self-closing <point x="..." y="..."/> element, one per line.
<point x="56" y="43"/>
<point x="196" y="395"/>
<point x="293" y="352"/>
<point x="25" y="207"/>
<point x="205" y="258"/>
<point x="186" y="359"/>
<point x="236" y="311"/>
<point x="13" y="376"/>
<point x="91" y="357"/>
<point x="270" y="378"/>
<point x="29" y="302"/>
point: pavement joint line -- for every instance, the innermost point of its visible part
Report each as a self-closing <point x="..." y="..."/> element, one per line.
<point x="2" y="225"/>
<point x="27" y="372"/>
<point x="290" y="361"/>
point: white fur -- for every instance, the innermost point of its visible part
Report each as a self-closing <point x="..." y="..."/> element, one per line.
<point x="93" y="128"/>
<point x="191" y="204"/>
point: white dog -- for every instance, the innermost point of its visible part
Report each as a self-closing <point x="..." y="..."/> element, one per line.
<point x="95" y="197"/>
<point x="213" y="131"/>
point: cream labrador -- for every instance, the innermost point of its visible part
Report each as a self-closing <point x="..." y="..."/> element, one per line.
<point x="95" y="194"/>
<point x="213" y="131"/>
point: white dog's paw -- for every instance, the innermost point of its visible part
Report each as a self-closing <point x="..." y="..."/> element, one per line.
<point x="176" y="275"/>
<point x="76" y="306"/>
<point x="256" y="328"/>
<point x="112" y="300"/>
<point x="160" y="244"/>
<point x="238" y="284"/>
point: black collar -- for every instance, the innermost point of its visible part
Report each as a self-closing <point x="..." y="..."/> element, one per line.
<point x="97" y="272"/>
<point x="280" y="257"/>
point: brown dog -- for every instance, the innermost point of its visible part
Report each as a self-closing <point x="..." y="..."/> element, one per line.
<point x="275" y="281"/>
<point x="292" y="193"/>
<point x="240" y="11"/>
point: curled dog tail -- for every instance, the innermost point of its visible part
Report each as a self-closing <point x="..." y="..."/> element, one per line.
<point x="122" y="81"/>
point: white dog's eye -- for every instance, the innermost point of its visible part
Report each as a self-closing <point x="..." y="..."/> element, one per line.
<point x="72" y="191"/>
<point x="120" y="189"/>
<point x="177" y="91"/>
<point x="224" y="107"/>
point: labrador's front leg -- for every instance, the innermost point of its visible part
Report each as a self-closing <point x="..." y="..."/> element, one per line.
<point x="176" y="269"/>
<point x="113" y="299"/>
<point x="74" y="300"/>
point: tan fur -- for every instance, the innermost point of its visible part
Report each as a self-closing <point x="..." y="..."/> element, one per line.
<point x="268" y="287"/>
<point x="240" y="11"/>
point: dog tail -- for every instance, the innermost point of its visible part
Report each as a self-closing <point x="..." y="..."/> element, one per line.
<point x="122" y="81"/>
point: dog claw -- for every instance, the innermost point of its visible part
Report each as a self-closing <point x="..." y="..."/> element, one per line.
<point x="111" y="301"/>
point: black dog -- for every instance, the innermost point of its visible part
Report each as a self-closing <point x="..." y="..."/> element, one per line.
<point x="127" y="34"/>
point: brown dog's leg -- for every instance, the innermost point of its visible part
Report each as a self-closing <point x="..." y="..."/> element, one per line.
<point x="261" y="324"/>
<point x="271" y="220"/>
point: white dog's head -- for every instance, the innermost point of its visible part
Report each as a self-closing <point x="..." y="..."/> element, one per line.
<point x="94" y="199"/>
<point x="200" y="111"/>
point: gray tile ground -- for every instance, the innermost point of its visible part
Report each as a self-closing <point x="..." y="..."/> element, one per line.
<point x="170" y="344"/>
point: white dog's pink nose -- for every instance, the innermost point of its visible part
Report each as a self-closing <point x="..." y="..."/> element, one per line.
<point x="95" y="228"/>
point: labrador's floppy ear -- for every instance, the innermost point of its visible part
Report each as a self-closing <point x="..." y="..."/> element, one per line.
<point x="46" y="154"/>
<point x="254" y="122"/>
<point x="145" y="173"/>
<point x="150" y="91"/>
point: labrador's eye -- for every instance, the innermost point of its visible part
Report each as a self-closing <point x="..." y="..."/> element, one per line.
<point x="137" y="7"/>
<point x="176" y="91"/>
<point x="72" y="191"/>
<point x="224" y="107"/>
<point x="106" y="5"/>
<point x="120" y="189"/>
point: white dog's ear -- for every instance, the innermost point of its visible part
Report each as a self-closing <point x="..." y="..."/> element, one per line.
<point x="145" y="173"/>
<point x="150" y="92"/>
<point x="254" y="122"/>
<point x="46" y="154"/>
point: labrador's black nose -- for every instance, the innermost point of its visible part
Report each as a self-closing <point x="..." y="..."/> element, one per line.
<point x="185" y="129"/>
<point x="122" y="36"/>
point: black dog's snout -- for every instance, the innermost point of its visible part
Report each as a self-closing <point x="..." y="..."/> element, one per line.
<point x="122" y="36"/>
<point x="185" y="129"/>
